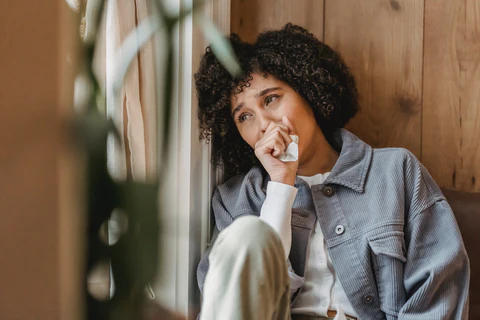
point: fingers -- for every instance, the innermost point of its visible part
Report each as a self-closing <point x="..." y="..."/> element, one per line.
<point x="273" y="144"/>
<point x="284" y="133"/>
<point x="278" y="126"/>
<point x="273" y="147"/>
<point x="274" y="125"/>
<point x="290" y="126"/>
<point x="280" y="131"/>
<point x="278" y="148"/>
<point x="275" y="139"/>
<point x="270" y="127"/>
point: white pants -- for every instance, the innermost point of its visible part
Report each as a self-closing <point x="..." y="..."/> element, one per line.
<point x="247" y="277"/>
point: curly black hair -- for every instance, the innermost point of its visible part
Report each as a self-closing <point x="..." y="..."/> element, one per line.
<point x="313" y="69"/>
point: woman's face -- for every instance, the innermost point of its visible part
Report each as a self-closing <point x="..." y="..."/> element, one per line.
<point x="268" y="99"/>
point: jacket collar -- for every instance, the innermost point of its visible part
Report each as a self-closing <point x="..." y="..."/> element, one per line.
<point x="352" y="165"/>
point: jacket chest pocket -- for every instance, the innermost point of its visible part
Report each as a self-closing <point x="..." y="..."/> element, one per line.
<point x="388" y="258"/>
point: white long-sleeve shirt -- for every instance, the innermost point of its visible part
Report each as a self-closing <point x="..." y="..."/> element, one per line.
<point x="321" y="290"/>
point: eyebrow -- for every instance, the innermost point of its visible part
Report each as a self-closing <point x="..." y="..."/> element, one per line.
<point x="258" y="95"/>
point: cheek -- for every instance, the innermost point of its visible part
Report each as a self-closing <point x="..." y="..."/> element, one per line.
<point x="288" y="111"/>
<point x="306" y="125"/>
<point x="303" y="121"/>
<point x="297" y="111"/>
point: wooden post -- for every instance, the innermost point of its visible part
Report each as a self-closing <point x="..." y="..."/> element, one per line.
<point x="40" y="238"/>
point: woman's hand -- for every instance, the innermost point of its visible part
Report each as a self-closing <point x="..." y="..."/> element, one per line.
<point x="273" y="144"/>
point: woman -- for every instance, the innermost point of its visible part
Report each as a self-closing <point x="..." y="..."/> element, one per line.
<point x="345" y="231"/>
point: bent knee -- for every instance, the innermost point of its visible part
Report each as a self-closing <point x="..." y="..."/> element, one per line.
<point x="251" y="233"/>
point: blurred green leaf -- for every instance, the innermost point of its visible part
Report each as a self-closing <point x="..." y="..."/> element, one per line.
<point x="134" y="257"/>
<point x="219" y="43"/>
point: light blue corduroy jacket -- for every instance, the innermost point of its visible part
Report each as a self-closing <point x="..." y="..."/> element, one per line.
<point x="391" y="235"/>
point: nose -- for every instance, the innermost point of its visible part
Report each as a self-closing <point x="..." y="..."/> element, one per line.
<point x="264" y="120"/>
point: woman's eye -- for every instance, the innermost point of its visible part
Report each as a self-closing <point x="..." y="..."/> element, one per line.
<point x="243" y="117"/>
<point x="270" y="99"/>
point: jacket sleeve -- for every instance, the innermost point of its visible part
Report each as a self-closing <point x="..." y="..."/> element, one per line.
<point x="436" y="271"/>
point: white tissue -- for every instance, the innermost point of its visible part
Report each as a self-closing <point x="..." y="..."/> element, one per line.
<point x="291" y="154"/>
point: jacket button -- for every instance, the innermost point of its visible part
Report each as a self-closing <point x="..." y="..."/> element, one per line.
<point x="328" y="191"/>
<point x="368" y="299"/>
<point x="339" y="229"/>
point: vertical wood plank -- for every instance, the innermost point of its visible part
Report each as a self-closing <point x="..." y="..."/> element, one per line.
<point x="382" y="42"/>
<point x="40" y="263"/>
<point x="451" y="115"/>
<point x="70" y="177"/>
<point x="250" y="17"/>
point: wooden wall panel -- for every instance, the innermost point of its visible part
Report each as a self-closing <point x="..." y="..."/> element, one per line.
<point x="250" y="17"/>
<point x="41" y="232"/>
<point x="451" y="105"/>
<point x="382" y="42"/>
<point x="417" y="65"/>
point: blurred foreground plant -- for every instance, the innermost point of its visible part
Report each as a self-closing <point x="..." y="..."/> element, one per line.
<point x="134" y="257"/>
